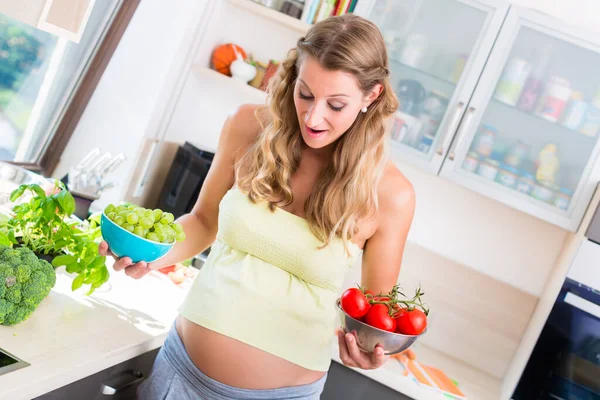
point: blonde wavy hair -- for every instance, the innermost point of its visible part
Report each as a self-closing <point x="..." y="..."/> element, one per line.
<point x="346" y="191"/>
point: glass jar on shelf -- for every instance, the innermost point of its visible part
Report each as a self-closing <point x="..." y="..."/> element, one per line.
<point x="555" y="97"/>
<point x="488" y="169"/>
<point x="435" y="104"/>
<point x="405" y="128"/>
<point x="562" y="198"/>
<point x="434" y="108"/>
<point x="543" y="192"/>
<point x="575" y="112"/>
<point x="425" y="143"/>
<point x="591" y="122"/>
<point x="512" y="80"/>
<point x="471" y="162"/>
<point x="507" y="176"/>
<point x="484" y="141"/>
<point x="516" y="153"/>
<point x="525" y="183"/>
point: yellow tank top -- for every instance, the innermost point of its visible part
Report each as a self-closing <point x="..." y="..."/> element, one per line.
<point x="266" y="283"/>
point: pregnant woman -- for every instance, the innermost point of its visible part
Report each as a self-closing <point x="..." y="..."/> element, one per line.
<point x="298" y="192"/>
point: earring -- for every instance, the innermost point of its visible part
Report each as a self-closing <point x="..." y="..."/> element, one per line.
<point x="364" y="109"/>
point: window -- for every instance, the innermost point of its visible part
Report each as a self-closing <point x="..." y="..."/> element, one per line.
<point x="46" y="81"/>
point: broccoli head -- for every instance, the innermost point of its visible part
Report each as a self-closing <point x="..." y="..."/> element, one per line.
<point x="25" y="281"/>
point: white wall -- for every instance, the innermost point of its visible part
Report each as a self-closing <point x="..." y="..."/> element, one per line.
<point x="481" y="233"/>
<point x="120" y="112"/>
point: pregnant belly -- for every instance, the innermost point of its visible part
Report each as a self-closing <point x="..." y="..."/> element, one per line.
<point x="237" y="364"/>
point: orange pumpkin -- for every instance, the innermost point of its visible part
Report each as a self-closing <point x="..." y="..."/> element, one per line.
<point x="224" y="55"/>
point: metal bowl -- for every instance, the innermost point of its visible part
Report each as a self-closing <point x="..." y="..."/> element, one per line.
<point x="367" y="336"/>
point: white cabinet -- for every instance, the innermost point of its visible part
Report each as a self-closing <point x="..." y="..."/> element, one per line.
<point x="497" y="98"/>
<point x="437" y="50"/>
<point x="529" y="136"/>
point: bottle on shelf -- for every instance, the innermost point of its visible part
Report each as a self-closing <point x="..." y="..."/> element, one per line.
<point x="434" y="107"/>
<point x="567" y="179"/>
<point x="534" y="86"/>
<point x="562" y="198"/>
<point x="575" y="112"/>
<point x="414" y="50"/>
<point x="548" y="165"/>
<point x="531" y="92"/>
<point x="556" y="94"/>
<point x="525" y="183"/>
<point x="512" y="80"/>
<point x="591" y="121"/>
<point x="517" y="153"/>
<point x="484" y="140"/>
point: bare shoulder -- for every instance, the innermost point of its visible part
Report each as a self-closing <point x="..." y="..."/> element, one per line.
<point x="241" y="130"/>
<point x="396" y="193"/>
<point x="247" y="121"/>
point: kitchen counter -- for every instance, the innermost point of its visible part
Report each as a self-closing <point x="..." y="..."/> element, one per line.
<point x="71" y="336"/>
<point x="475" y="384"/>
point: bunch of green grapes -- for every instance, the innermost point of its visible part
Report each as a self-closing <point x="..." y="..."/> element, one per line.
<point x="154" y="225"/>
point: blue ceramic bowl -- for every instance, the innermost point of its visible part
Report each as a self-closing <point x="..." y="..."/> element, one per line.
<point x="124" y="243"/>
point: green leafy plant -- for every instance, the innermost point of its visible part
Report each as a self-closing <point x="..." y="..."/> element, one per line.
<point x="44" y="225"/>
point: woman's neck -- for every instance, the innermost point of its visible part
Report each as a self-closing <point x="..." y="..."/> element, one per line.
<point x="320" y="156"/>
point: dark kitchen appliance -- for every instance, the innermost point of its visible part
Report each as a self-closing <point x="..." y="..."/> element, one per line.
<point x="184" y="181"/>
<point x="565" y="362"/>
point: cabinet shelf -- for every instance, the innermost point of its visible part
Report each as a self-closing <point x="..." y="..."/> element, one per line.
<point x="273" y="15"/>
<point x="228" y="84"/>
<point x="550" y="124"/>
<point x="428" y="79"/>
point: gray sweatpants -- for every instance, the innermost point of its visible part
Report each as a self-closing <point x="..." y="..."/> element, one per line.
<point x="175" y="377"/>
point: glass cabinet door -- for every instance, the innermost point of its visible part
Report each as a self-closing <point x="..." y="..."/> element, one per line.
<point x="529" y="137"/>
<point x="437" y="50"/>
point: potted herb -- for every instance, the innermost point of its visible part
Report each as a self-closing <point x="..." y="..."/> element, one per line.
<point x="44" y="225"/>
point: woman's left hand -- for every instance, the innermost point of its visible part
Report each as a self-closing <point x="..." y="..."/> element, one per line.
<point x="352" y="356"/>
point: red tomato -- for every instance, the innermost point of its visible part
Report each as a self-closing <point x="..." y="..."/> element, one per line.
<point x="396" y="306"/>
<point x="379" y="317"/>
<point x="167" y="269"/>
<point x="411" y="322"/>
<point x="354" y="303"/>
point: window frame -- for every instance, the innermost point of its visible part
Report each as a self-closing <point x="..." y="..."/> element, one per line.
<point x="50" y="156"/>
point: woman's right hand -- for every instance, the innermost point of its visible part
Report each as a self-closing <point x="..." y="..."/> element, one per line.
<point x="136" y="271"/>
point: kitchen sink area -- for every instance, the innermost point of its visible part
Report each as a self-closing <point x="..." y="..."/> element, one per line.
<point x="9" y="362"/>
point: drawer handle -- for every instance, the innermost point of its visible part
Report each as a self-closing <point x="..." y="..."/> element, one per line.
<point x="122" y="381"/>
